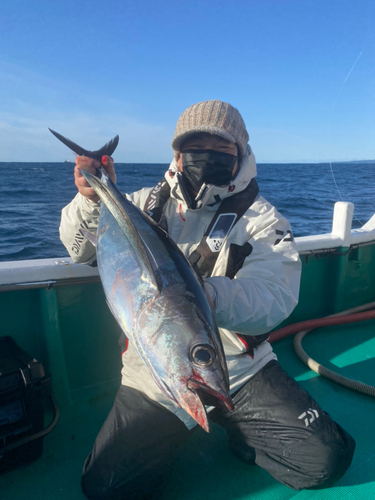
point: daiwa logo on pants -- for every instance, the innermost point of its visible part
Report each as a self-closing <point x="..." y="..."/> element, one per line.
<point x="309" y="416"/>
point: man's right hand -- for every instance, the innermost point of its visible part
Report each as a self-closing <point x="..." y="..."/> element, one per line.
<point x="90" y="165"/>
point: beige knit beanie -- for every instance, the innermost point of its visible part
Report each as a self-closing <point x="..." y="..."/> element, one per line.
<point x="214" y="117"/>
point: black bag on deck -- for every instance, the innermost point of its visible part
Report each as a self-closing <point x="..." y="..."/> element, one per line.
<point x="24" y="387"/>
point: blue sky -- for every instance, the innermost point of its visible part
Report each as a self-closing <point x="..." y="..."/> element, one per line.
<point x="302" y="74"/>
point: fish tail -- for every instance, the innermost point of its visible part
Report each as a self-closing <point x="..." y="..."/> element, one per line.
<point x="108" y="149"/>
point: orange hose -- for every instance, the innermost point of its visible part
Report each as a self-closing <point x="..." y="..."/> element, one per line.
<point x="317" y="323"/>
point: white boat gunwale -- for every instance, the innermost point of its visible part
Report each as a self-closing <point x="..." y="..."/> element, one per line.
<point x="50" y="272"/>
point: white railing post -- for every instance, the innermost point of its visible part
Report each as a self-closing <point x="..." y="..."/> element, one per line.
<point x="342" y="221"/>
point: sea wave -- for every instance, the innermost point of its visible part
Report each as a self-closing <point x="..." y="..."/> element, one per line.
<point x="33" y="195"/>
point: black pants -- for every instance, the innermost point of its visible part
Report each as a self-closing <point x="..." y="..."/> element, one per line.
<point x="275" y="422"/>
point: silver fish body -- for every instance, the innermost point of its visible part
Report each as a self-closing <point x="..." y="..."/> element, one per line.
<point x="160" y="304"/>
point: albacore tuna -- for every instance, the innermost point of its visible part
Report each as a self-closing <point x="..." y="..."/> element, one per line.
<point x="157" y="299"/>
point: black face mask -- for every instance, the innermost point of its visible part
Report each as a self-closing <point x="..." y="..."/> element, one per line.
<point x="207" y="166"/>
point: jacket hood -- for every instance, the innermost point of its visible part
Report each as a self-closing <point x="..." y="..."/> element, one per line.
<point x="210" y="195"/>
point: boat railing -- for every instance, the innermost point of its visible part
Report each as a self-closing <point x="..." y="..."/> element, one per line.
<point x="342" y="235"/>
<point x="45" y="273"/>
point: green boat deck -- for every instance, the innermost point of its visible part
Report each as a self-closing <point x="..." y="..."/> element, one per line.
<point x="205" y="467"/>
<point x="67" y="326"/>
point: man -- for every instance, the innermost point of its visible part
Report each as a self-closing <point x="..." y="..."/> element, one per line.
<point x="208" y="202"/>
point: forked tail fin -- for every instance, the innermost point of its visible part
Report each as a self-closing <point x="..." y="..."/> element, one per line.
<point x="108" y="149"/>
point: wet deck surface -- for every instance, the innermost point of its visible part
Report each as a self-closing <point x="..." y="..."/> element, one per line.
<point x="205" y="467"/>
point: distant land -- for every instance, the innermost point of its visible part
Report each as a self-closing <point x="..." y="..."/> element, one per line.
<point x="318" y="162"/>
<point x="334" y="162"/>
<point x="355" y="161"/>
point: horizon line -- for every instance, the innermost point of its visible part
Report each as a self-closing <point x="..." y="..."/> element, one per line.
<point x="299" y="162"/>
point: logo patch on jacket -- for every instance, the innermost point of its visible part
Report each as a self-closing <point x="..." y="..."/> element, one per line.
<point x="282" y="237"/>
<point x="218" y="233"/>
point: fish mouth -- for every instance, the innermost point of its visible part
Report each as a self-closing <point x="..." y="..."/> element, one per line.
<point x="209" y="396"/>
<point x="196" y="409"/>
<point x="193" y="396"/>
<point x="198" y="395"/>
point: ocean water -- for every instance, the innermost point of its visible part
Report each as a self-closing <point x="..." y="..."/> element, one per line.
<point x="33" y="194"/>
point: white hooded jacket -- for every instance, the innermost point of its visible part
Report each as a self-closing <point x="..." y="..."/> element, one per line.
<point x="262" y="294"/>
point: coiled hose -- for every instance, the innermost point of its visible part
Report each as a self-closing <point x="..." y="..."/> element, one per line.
<point x="304" y="327"/>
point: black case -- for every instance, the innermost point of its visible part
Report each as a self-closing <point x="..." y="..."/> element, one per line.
<point x="23" y="389"/>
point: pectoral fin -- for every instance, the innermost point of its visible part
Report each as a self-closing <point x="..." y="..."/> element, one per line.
<point x="91" y="237"/>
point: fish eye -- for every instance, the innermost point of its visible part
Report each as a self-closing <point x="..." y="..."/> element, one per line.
<point x="203" y="355"/>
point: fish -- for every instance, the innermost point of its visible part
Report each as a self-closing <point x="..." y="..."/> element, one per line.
<point x="158" y="300"/>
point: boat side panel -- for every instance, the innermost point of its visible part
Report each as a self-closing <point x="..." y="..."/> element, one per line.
<point x="89" y="334"/>
<point x="333" y="282"/>
<point x="73" y="331"/>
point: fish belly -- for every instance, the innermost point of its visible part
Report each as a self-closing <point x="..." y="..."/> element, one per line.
<point x="125" y="282"/>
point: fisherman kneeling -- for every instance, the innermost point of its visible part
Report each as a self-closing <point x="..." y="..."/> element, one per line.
<point x="208" y="202"/>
